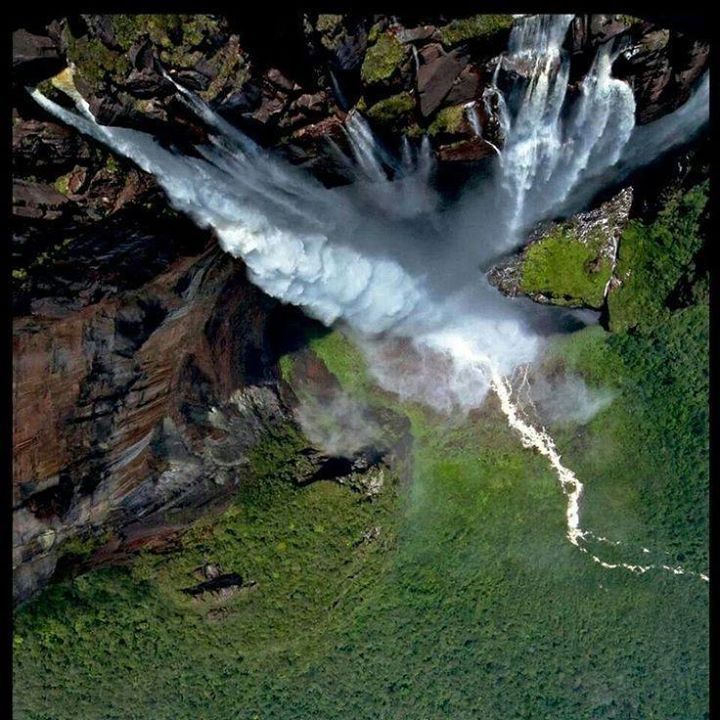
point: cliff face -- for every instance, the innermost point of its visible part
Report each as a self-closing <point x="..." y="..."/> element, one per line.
<point x="138" y="387"/>
<point x="143" y="371"/>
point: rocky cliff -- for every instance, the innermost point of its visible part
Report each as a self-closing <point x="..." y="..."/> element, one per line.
<point x="144" y="361"/>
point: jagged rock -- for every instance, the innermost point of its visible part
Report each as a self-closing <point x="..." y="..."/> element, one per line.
<point x="103" y="385"/>
<point x="36" y="201"/>
<point x="435" y="78"/>
<point x="590" y="31"/>
<point x="467" y="86"/>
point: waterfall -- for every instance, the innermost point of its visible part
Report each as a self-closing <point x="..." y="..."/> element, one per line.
<point x="384" y="255"/>
<point x="551" y="147"/>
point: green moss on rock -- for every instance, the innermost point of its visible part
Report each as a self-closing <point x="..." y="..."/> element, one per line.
<point x="568" y="271"/>
<point x="171" y="32"/>
<point x="328" y="23"/>
<point x="448" y="120"/>
<point x="392" y="111"/>
<point x="383" y="59"/>
<point x="475" y="27"/>
<point x="375" y="30"/>
<point x="95" y="62"/>
<point x="61" y="184"/>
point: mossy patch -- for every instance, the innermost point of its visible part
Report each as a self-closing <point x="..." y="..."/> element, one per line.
<point x="448" y="121"/>
<point x="570" y="272"/>
<point x="167" y="31"/>
<point x="383" y="59"/>
<point x="95" y="62"/>
<point x="393" y="112"/>
<point x="475" y="27"/>
<point x="61" y="184"/>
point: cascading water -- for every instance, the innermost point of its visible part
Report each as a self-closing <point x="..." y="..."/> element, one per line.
<point x="382" y="255"/>
<point x="550" y="147"/>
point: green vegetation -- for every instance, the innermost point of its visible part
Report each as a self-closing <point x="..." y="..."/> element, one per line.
<point x="455" y="595"/>
<point x="654" y="258"/>
<point x="167" y="31"/>
<point x="61" y="184"/>
<point x="565" y="269"/>
<point x="475" y="27"/>
<point x="83" y="547"/>
<point x="448" y="120"/>
<point x="178" y="38"/>
<point x="394" y="111"/>
<point x="383" y="59"/>
<point x="94" y="61"/>
<point x="651" y="444"/>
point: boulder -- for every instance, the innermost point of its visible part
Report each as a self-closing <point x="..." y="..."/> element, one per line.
<point x="435" y="78"/>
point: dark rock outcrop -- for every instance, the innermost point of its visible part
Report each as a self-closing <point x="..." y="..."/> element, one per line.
<point x="661" y="64"/>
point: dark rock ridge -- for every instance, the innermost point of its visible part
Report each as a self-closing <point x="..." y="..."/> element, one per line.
<point x="144" y="372"/>
<point x="408" y="75"/>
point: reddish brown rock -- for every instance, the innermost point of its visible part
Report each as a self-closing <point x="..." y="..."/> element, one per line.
<point x="466" y="151"/>
<point x="37" y="201"/>
<point x="113" y="403"/>
<point x="435" y="78"/>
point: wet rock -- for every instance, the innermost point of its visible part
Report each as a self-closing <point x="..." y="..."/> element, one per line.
<point x="590" y="31"/>
<point x="467" y="86"/>
<point x="37" y="201"/>
<point x="472" y="150"/>
<point x="435" y="78"/>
